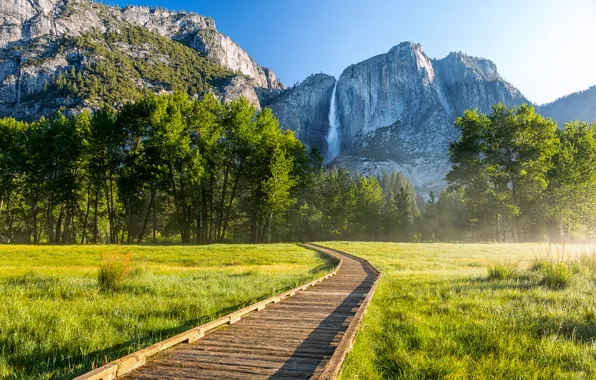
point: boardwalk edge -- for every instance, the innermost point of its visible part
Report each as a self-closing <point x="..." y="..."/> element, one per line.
<point x="137" y="359"/>
<point x="333" y="368"/>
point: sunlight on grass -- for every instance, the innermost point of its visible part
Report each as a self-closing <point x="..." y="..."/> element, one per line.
<point x="438" y="313"/>
<point x="56" y="322"/>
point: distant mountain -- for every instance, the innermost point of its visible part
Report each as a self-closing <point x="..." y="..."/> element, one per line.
<point x="577" y="106"/>
<point x="396" y="110"/>
<point x="77" y="54"/>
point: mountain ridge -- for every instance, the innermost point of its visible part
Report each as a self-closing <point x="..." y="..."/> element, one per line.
<point x="395" y="110"/>
<point x="40" y="41"/>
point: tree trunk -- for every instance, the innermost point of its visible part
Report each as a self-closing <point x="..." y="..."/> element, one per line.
<point x="220" y="209"/>
<point x="129" y="234"/>
<point x="269" y="229"/>
<point x="146" y="220"/>
<point x="108" y="205"/>
<point x="211" y="226"/>
<point x="41" y="230"/>
<point x="95" y="226"/>
<point x="497" y="227"/>
<point x="232" y="197"/>
<point x="66" y="226"/>
<point x="86" y="218"/>
<point x="57" y="234"/>
<point x="34" y="210"/>
<point x="50" y="221"/>
<point x="154" y="225"/>
<point x="204" y="216"/>
<point x="9" y="221"/>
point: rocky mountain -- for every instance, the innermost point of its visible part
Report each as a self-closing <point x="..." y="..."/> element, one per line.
<point x="75" y="54"/>
<point x="305" y="110"/>
<point x="397" y="110"/>
<point x="577" y="106"/>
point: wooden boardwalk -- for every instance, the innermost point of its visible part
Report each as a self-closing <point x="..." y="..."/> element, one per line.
<point x="296" y="338"/>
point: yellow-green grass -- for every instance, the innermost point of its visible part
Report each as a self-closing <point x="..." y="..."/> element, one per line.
<point x="56" y="323"/>
<point x="438" y="315"/>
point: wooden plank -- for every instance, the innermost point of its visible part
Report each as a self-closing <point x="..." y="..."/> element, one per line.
<point x="333" y="368"/>
<point x="131" y="362"/>
<point x="305" y="336"/>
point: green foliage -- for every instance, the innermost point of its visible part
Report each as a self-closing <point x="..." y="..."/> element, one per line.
<point x="114" y="270"/>
<point x="502" y="271"/>
<point x="124" y="66"/>
<point x="336" y="205"/>
<point x="164" y="168"/>
<point x="517" y="177"/>
<point x="555" y="275"/>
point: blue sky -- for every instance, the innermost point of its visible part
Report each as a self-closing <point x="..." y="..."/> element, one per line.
<point x="546" y="48"/>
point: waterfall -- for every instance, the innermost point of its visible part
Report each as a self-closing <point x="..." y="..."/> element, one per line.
<point x="333" y="135"/>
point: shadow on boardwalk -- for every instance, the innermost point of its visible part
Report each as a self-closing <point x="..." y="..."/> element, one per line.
<point x="326" y="336"/>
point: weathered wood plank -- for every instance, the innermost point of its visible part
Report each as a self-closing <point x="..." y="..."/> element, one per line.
<point x="303" y="333"/>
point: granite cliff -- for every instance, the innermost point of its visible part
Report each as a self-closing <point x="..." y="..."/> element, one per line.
<point x="43" y="41"/>
<point x="397" y="110"/>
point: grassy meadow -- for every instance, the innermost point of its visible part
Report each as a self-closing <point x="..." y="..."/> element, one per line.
<point x="56" y="321"/>
<point x="477" y="311"/>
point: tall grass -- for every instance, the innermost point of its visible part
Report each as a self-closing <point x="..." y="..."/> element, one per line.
<point x="435" y="315"/>
<point x="115" y="268"/>
<point x="57" y="322"/>
<point x="502" y="271"/>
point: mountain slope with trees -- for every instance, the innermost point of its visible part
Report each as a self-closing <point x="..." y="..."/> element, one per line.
<point x="73" y="55"/>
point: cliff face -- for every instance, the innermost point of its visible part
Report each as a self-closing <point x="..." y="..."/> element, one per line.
<point x="397" y="110"/>
<point x="305" y="109"/>
<point x="34" y="34"/>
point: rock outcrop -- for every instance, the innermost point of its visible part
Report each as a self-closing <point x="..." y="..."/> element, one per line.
<point x="305" y="109"/>
<point x="32" y="34"/>
<point x="397" y="110"/>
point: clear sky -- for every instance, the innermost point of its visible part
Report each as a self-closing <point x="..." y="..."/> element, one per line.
<point x="546" y="48"/>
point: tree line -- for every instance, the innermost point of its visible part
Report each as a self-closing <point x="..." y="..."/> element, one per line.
<point x="165" y="167"/>
<point x="516" y="176"/>
<point x="170" y="169"/>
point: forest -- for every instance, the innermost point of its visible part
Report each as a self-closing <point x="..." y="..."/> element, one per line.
<point x="169" y="169"/>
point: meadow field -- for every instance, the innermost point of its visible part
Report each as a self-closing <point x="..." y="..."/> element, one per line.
<point x="477" y="311"/>
<point x="56" y="321"/>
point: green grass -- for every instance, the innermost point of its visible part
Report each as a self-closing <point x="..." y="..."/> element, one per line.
<point x="56" y="322"/>
<point x="438" y="313"/>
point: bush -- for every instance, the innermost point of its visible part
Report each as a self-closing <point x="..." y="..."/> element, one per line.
<point x="588" y="261"/>
<point x="539" y="265"/>
<point x="555" y="275"/>
<point x="113" y="271"/>
<point x="502" y="272"/>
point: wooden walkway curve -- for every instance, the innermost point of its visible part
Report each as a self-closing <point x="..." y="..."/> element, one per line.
<point x="302" y="337"/>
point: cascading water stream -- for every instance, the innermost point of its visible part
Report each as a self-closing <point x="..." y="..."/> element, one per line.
<point x="332" y="138"/>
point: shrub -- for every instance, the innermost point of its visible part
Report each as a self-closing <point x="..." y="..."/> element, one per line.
<point x="555" y="276"/>
<point x="539" y="265"/>
<point x="113" y="271"/>
<point x="502" y="272"/>
<point x="588" y="261"/>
